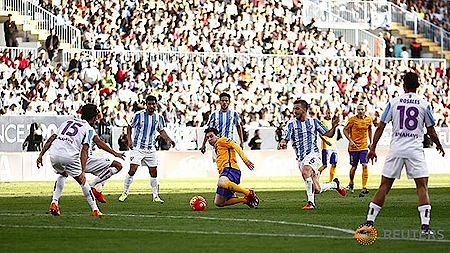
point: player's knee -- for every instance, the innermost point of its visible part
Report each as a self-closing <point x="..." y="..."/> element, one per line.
<point x="118" y="166"/>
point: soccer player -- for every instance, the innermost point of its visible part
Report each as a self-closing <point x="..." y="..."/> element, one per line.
<point x="102" y="167"/>
<point x="329" y="151"/>
<point x="303" y="132"/>
<point x="230" y="175"/>
<point x="408" y="114"/>
<point x="225" y="121"/>
<point x="70" y="150"/>
<point x="146" y="123"/>
<point x="356" y="131"/>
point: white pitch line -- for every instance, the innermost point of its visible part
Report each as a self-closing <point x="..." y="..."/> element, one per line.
<point x="177" y="231"/>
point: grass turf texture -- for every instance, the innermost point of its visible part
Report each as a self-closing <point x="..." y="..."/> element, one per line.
<point x="278" y="225"/>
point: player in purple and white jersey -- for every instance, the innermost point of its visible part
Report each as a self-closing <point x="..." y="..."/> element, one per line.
<point x="409" y="113"/>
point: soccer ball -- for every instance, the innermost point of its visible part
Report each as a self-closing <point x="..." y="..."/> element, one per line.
<point x="198" y="203"/>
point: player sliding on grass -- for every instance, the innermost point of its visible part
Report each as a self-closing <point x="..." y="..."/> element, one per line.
<point x="303" y="133"/>
<point x="230" y="175"/>
<point x="408" y="113"/>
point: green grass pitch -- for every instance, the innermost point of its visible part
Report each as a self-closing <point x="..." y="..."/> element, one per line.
<point x="278" y="225"/>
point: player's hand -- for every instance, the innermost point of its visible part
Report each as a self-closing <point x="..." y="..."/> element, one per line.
<point x="282" y="144"/>
<point x="120" y="155"/>
<point x="440" y="150"/>
<point x="242" y="145"/>
<point x="203" y="149"/>
<point x="172" y="143"/>
<point x="39" y="162"/>
<point x="130" y="144"/>
<point x="353" y="144"/>
<point x="250" y="165"/>
<point x="372" y="156"/>
<point x="335" y="121"/>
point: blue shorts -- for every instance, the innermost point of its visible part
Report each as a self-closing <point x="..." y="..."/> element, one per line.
<point x="358" y="156"/>
<point x="234" y="175"/>
<point x="332" y="154"/>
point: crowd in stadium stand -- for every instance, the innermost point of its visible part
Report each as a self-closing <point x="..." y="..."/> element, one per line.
<point x="436" y="12"/>
<point x="263" y="88"/>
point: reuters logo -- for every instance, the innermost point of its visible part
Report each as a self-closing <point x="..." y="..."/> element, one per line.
<point x="366" y="235"/>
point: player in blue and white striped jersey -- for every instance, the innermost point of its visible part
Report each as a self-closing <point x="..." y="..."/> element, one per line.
<point x="147" y="124"/>
<point x="225" y="121"/>
<point x="302" y="131"/>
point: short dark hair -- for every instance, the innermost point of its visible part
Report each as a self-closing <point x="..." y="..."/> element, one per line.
<point x="150" y="98"/>
<point x="411" y="81"/>
<point x="224" y="94"/>
<point x="89" y="111"/>
<point x="302" y="103"/>
<point x="211" y="129"/>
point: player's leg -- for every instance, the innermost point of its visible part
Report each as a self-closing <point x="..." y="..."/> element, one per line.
<point x="136" y="157"/>
<point x="354" y="163"/>
<point x="333" y="162"/>
<point x="154" y="184"/>
<point x="324" y="161"/>
<point x="107" y="172"/>
<point x="57" y="191"/>
<point x="81" y="179"/>
<point x="365" y="172"/>
<point x="307" y="174"/>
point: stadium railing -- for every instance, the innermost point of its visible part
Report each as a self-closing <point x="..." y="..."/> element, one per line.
<point x="15" y="51"/>
<point x="243" y="59"/>
<point x="41" y="19"/>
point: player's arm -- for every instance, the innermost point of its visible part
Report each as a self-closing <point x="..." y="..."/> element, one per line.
<point x="369" y="132"/>
<point x="84" y="156"/>
<point x="130" y="142"/>
<point x="323" y="139"/>
<point x="101" y="144"/>
<point x="241" y="153"/>
<point x="208" y="124"/>
<point x="347" y="131"/>
<point x="241" y="135"/>
<point x="372" y="155"/>
<point x="166" y="137"/>
<point x="332" y="130"/>
<point x="432" y="133"/>
<point x="47" y="145"/>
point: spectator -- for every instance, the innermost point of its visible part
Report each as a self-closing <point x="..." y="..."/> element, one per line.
<point x="256" y="141"/>
<point x="74" y="64"/>
<point x="34" y="141"/>
<point x="52" y="44"/>
<point x="416" y="48"/>
<point x="10" y="30"/>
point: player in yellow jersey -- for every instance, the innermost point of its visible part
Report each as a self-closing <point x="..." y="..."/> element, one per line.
<point x="230" y="175"/>
<point x="329" y="150"/>
<point x="356" y="131"/>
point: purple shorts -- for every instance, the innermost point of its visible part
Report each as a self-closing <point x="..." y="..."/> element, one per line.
<point x="331" y="154"/>
<point x="234" y="175"/>
<point x="358" y="156"/>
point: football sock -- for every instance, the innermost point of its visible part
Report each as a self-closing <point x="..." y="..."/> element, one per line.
<point x="127" y="183"/>
<point x="58" y="188"/>
<point x="99" y="187"/>
<point x="310" y="189"/>
<point x="105" y="175"/>
<point x="322" y="168"/>
<point x="352" y="175"/>
<point x="326" y="186"/>
<point x="374" y="209"/>
<point x="332" y="172"/>
<point x="155" y="186"/>
<point x="425" y="212"/>
<point x="233" y="201"/>
<point x="234" y="187"/>
<point x="365" y="176"/>
<point x="89" y="195"/>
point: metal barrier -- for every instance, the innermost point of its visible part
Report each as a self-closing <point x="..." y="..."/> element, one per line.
<point x="178" y="58"/>
<point x="43" y="20"/>
<point x="15" y="51"/>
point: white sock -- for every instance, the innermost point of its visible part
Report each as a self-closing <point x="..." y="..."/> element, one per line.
<point x="99" y="187"/>
<point x="105" y="175"/>
<point x="155" y="186"/>
<point x="89" y="196"/>
<point x="374" y="209"/>
<point x="310" y="189"/>
<point x="425" y="213"/>
<point x="58" y="188"/>
<point x="127" y="183"/>
<point x="326" y="186"/>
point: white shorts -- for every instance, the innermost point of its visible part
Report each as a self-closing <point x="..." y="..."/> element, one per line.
<point x="313" y="160"/>
<point x="416" y="167"/>
<point x="72" y="165"/>
<point x="96" y="164"/>
<point x="144" y="157"/>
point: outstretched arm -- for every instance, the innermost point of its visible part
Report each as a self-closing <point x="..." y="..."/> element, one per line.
<point x="166" y="136"/>
<point x="241" y="153"/>
<point x="47" y="145"/>
<point x="372" y="155"/>
<point x="334" y="124"/>
<point x="101" y="144"/>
